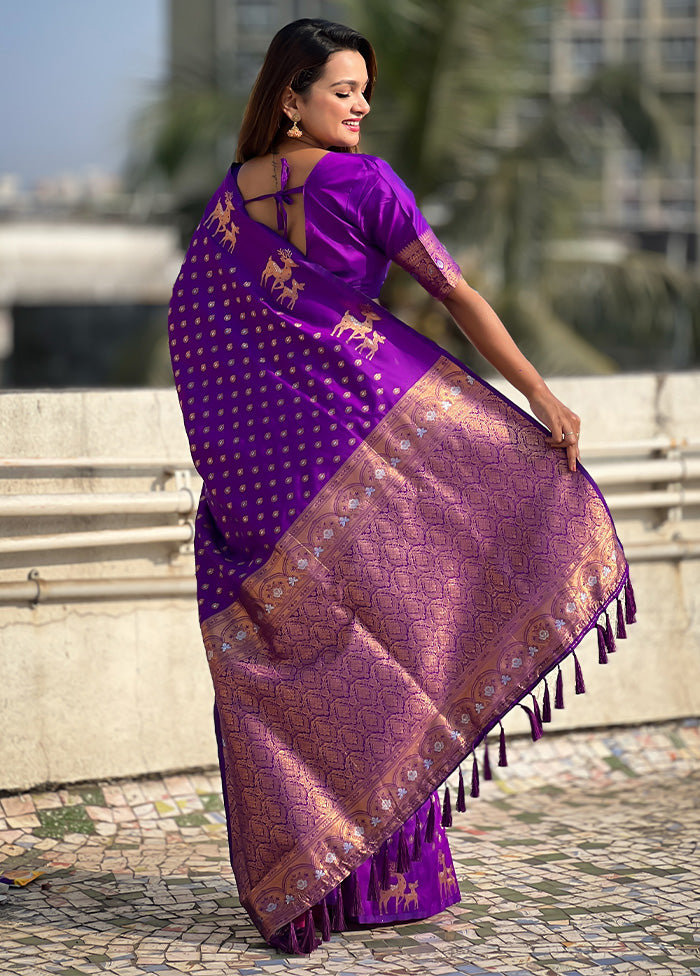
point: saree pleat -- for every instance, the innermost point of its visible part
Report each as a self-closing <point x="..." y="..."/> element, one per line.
<point x="389" y="559"/>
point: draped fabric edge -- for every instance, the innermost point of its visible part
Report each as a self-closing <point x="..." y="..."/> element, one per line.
<point x="297" y="937"/>
<point x="282" y="933"/>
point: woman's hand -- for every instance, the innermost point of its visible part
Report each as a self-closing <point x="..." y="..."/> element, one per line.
<point x="564" y="424"/>
<point x="486" y="332"/>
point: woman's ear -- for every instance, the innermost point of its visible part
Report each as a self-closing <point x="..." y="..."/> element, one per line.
<point x="290" y="102"/>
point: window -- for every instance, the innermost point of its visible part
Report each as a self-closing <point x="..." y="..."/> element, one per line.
<point x="632" y="50"/>
<point x="679" y="8"/>
<point x="586" y="55"/>
<point x="678" y="53"/>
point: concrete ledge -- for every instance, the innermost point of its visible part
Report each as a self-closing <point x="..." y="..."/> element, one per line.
<point x="116" y="687"/>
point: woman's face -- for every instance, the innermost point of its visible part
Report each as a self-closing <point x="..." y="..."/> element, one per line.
<point x="333" y="107"/>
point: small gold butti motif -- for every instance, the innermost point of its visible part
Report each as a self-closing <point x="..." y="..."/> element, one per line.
<point x="282" y="280"/>
<point x="221" y="214"/>
<point x="363" y="330"/>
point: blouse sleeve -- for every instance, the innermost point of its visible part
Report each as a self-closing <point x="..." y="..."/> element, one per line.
<point x="391" y="221"/>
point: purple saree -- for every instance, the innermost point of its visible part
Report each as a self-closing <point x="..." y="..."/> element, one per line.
<point x="389" y="557"/>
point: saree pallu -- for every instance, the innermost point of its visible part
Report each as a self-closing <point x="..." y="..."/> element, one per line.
<point x="389" y="558"/>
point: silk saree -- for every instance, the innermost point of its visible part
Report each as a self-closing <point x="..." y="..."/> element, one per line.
<point x="389" y="556"/>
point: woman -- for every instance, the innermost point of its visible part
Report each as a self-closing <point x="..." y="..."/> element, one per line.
<point x="390" y="555"/>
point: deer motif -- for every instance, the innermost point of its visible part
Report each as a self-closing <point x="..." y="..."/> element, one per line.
<point x="230" y="235"/>
<point x="221" y="214"/>
<point x="291" y="294"/>
<point x="357" y="329"/>
<point x="410" y="898"/>
<point x="371" y="344"/>
<point x="446" y="876"/>
<point x="280" y="274"/>
<point x="395" y="890"/>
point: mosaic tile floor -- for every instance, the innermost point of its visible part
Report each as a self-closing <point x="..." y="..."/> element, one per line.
<point x="582" y="858"/>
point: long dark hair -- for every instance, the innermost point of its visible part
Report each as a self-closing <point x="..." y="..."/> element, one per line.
<point x="296" y="57"/>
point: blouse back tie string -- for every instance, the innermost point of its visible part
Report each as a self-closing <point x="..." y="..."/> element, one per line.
<point x="281" y="197"/>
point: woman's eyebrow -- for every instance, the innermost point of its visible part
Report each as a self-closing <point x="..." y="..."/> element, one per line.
<point x="346" y="82"/>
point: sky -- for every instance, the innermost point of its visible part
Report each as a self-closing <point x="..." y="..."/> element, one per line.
<point x="72" y="75"/>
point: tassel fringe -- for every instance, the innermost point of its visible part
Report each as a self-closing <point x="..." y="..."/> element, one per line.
<point x="417" y="851"/>
<point x="535" y="726"/>
<point x="536" y="711"/>
<point x="385" y="876"/>
<point x="630" y="604"/>
<point x="430" y="824"/>
<point x="354" y="908"/>
<point x="338" y="923"/>
<point x="309" y="941"/>
<point x="487" y="764"/>
<point x="325" y="921"/>
<point x="602" y="649"/>
<point x="373" y="886"/>
<point x="475" y="778"/>
<point x="403" y="858"/>
<point x="626" y="613"/>
<point x="293" y="941"/>
<point x="446" y="820"/>
<point x="559" y="690"/>
<point x="546" y="704"/>
<point x="621" y="631"/>
<point x="609" y="636"/>
<point x="461" y="798"/>
<point x="502" y="754"/>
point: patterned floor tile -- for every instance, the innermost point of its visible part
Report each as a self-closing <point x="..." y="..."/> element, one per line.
<point x="597" y="873"/>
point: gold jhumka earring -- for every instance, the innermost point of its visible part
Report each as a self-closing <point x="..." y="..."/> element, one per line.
<point x="295" y="131"/>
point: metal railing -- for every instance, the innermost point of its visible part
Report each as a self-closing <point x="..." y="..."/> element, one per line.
<point x="654" y="475"/>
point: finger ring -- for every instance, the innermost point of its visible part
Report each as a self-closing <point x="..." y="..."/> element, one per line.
<point x="567" y="434"/>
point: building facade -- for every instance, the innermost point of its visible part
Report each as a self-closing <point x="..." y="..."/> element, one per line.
<point x="659" y="202"/>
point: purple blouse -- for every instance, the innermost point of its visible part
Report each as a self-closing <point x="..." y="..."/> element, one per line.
<point x="360" y="216"/>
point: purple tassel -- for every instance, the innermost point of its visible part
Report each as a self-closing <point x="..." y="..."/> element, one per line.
<point x="609" y="636"/>
<point x="293" y="941"/>
<point x="461" y="798"/>
<point x="502" y="755"/>
<point x="602" y="650"/>
<point x="338" y="923"/>
<point x="475" y="778"/>
<point x="535" y="727"/>
<point x="373" y="886"/>
<point x="446" y="820"/>
<point x="430" y="823"/>
<point x="536" y="711"/>
<point x="309" y="943"/>
<point x="417" y="851"/>
<point x="325" y="921"/>
<point x="403" y="858"/>
<point x="630" y="604"/>
<point x="621" y="629"/>
<point x="487" y="764"/>
<point x="580" y="683"/>
<point x="559" y="691"/>
<point x="546" y="704"/>
<point x="355" y="907"/>
<point x="385" y="876"/>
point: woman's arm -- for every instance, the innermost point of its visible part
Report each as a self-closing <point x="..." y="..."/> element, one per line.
<point x="486" y="332"/>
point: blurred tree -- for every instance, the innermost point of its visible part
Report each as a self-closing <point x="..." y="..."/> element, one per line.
<point x="446" y="115"/>
<point x="181" y="144"/>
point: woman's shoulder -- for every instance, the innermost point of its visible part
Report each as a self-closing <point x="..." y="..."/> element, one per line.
<point x="360" y="173"/>
<point x="361" y="164"/>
